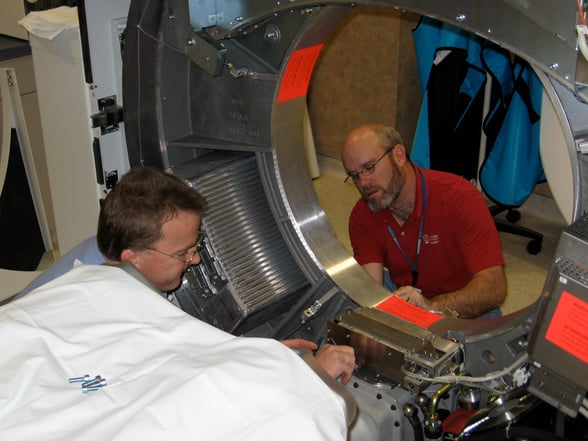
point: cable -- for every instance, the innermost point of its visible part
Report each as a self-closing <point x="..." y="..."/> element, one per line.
<point x="492" y="376"/>
<point x="411" y="413"/>
<point x="472" y="381"/>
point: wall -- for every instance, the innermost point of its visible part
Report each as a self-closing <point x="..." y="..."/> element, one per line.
<point x="366" y="72"/>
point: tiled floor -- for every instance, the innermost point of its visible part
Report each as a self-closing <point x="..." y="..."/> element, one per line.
<point x="525" y="273"/>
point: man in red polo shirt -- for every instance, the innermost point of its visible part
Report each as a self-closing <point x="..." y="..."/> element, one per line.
<point x="431" y="230"/>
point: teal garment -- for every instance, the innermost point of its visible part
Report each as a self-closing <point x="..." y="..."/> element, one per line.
<point x="513" y="165"/>
<point x="451" y="120"/>
<point x="432" y="35"/>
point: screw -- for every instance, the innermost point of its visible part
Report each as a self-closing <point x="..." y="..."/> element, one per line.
<point x="272" y="34"/>
<point x="86" y="390"/>
<point x="96" y="382"/>
<point x="79" y="379"/>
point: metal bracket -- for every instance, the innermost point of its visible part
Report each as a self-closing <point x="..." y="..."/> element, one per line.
<point x="210" y="56"/>
<point x="110" y="115"/>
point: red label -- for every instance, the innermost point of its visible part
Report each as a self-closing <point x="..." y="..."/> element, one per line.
<point x="569" y="326"/>
<point x="401" y="308"/>
<point x="297" y="74"/>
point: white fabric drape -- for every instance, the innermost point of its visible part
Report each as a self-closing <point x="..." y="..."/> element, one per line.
<point x="169" y="376"/>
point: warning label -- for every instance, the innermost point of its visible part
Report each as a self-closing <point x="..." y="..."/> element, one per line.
<point x="401" y="308"/>
<point x="298" y="72"/>
<point x="569" y="328"/>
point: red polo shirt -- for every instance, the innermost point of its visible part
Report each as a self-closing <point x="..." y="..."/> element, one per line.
<point x="459" y="236"/>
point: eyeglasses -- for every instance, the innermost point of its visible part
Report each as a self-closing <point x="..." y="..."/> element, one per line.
<point x="189" y="253"/>
<point x="367" y="169"/>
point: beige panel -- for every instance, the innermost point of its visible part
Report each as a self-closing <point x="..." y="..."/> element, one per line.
<point x="409" y="92"/>
<point x="24" y="72"/>
<point x="366" y="72"/>
<point x="12" y="12"/>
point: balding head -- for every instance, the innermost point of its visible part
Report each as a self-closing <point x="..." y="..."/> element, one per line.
<point x="368" y="141"/>
<point x="374" y="158"/>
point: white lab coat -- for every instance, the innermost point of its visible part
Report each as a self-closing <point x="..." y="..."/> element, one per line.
<point x="169" y="376"/>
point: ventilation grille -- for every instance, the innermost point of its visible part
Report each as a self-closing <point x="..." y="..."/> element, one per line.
<point x="570" y="269"/>
<point x="243" y="233"/>
<point x="580" y="228"/>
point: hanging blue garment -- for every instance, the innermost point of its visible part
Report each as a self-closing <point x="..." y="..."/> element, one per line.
<point x="452" y="80"/>
<point x="498" y="64"/>
<point x="512" y="166"/>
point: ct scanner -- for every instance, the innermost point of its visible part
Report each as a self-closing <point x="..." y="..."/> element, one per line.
<point x="216" y="93"/>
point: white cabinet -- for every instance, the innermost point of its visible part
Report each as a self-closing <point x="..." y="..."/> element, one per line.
<point x="79" y="157"/>
<point x="64" y="103"/>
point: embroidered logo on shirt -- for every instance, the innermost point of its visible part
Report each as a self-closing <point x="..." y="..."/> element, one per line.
<point x="431" y="239"/>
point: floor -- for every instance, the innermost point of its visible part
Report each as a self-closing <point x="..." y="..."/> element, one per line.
<point x="525" y="273"/>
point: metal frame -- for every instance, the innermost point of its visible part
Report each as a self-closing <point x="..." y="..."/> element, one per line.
<point x="183" y="101"/>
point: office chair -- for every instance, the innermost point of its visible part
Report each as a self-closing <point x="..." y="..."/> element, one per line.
<point x="508" y="226"/>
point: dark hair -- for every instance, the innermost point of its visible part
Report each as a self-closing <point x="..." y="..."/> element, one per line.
<point x="135" y="210"/>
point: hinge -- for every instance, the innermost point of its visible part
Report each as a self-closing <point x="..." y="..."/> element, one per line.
<point x="110" y="115"/>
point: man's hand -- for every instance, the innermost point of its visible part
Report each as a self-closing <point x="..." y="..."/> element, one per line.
<point x="484" y="292"/>
<point x="338" y="361"/>
<point x="414" y="297"/>
<point x="300" y="344"/>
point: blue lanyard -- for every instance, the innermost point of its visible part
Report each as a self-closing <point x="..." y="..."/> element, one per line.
<point x="414" y="265"/>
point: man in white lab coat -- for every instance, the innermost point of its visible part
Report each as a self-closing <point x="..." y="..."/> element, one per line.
<point x="167" y="373"/>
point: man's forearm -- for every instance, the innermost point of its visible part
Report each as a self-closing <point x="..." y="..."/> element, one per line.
<point x="486" y="291"/>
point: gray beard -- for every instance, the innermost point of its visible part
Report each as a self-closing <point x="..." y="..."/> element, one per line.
<point x="387" y="199"/>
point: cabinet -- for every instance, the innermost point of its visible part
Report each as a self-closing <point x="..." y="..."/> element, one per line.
<point x="64" y="101"/>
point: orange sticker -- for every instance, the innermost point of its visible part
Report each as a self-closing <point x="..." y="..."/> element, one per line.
<point x="569" y="328"/>
<point x="297" y="74"/>
<point x="401" y="308"/>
